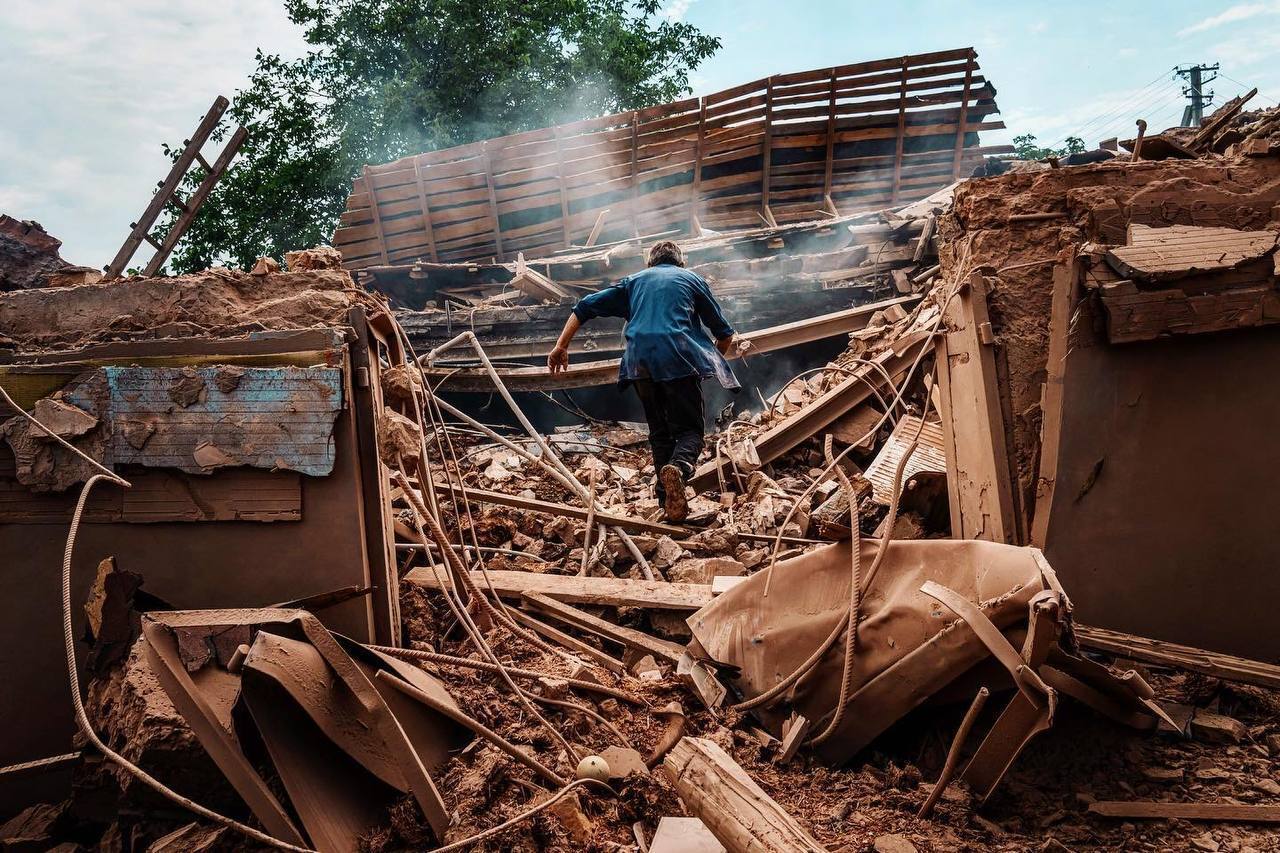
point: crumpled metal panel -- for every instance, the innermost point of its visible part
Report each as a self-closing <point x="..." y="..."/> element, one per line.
<point x="909" y="646"/>
<point x="198" y="419"/>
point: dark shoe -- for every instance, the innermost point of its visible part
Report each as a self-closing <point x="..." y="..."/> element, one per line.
<point x="674" y="502"/>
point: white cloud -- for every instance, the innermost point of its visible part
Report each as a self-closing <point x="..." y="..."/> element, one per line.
<point x="1230" y="15"/>
<point x="96" y="87"/>
<point x="675" y="10"/>
<point x="1038" y="27"/>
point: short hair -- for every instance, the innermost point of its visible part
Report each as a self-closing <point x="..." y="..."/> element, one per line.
<point x="665" y="252"/>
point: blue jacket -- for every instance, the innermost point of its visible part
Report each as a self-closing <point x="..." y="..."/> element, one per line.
<point x="669" y="311"/>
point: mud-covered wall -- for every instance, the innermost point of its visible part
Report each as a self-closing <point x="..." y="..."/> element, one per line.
<point x="1165" y="475"/>
<point x="1096" y="203"/>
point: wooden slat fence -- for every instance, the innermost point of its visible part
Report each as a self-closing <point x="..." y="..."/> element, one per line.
<point x="776" y="150"/>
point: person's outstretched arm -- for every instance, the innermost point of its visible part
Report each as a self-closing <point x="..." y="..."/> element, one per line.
<point x="708" y="311"/>
<point x="609" y="302"/>
<point x="558" y="358"/>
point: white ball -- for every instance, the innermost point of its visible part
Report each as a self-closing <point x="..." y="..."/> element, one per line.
<point x="593" y="767"/>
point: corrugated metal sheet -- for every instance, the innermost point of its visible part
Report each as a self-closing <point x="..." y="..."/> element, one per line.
<point x="198" y="419"/>
<point x="929" y="455"/>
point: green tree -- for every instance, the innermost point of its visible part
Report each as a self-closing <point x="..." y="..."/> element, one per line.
<point x="1025" y="148"/>
<point x="388" y="78"/>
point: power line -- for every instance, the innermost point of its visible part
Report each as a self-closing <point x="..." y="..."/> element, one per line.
<point x="1153" y="105"/>
<point x="1262" y="95"/>
<point x="1116" y="111"/>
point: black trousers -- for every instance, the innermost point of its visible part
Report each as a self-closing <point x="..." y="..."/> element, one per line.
<point x="674" y="412"/>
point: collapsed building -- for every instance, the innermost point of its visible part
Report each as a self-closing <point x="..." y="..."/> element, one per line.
<point x="954" y="588"/>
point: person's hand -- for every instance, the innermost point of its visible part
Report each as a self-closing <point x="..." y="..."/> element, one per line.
<point x="558" y="360"/>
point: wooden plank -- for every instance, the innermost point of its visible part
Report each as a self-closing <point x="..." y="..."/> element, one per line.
<point x="978" y="473"/>
<point x="493" y="205"/>
<point x="569" y="642"/>
<point x="831" y="145"/>
<point x="902" y="135"/>
<point x="1159" y="810"/>
<point x="583" y="621"/>
<point x="766" y="152"/>
<point x="1163" y="254"/>
<point x="426" y="213"/>
<point x="961" y="128"/>
<point x="1215" y="664"/>
<point x="1150" y="314"/>
<point x="378" y="233"/>
<point x="626" y="522"/>
<point x="608" y="592"/>
<point x="1066" y="288"/>
<point x="738" y="812"/>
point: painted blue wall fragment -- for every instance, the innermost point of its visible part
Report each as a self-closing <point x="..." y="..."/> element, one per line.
<point x="199" y="419"/>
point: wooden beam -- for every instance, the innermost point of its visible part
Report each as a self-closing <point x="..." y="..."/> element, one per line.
<point x="606" y="660"/>
<point x="902" y="133"/>
<point x="379" y="234"/>
<point x="738" y="812"/>
<point x="1226" y="667"/>
<point x="605" y="371"/>
<point x="595" y="229"/>
<point x="962" y="124"/>
<point x="695" y="194"/>
<point x="575" y="589"/>
<point x="493" y="202"/>
<point x="564" y="200"/>
<point x="426" y="211"/>
<point x="626" y="522"/>
<point x="766" y="156"/>
<point x="635" y="177"/>
<point x="1152" y="810"/>
<point x="583" y="621"/>
<point x="831" y="144"/>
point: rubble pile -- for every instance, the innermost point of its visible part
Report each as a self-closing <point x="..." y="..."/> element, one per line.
<point x="976" y="583"/>
<point x="29" y="258"/>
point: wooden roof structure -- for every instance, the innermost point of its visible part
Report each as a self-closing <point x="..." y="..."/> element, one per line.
<point x="774" y="151"/>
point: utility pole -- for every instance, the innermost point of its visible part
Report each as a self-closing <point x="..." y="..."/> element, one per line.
<point x="1193" y="114"/>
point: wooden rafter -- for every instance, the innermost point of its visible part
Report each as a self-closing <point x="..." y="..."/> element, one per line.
<point x="771" y="150"/>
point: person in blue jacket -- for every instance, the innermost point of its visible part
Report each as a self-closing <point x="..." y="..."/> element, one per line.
<point x="676" y="336"/>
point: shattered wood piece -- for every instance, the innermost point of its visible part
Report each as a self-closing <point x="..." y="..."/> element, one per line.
<point x="1153" y="810"/>
<point x="533" y="283"/>
<point x="580" y="619"/>
<point x="701" y="680"/>
<point x="628" y="523"/>
<point x="610" y="592"/>
<point x="1227" y="667"/>
<point x="1150" y="314"/>
<point x="1221" y="116"/>
<point x="568" y="641"/>
<point x="812" y="419"/>
<point x="738" y="812"/>
<point x="684" y="835"/>
<point x="1164" y="254"/>
<point x="929" y="455"/>
<point x="794" y="731"/>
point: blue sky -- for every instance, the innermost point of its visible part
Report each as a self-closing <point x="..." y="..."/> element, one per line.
<point x="94" y="86"/>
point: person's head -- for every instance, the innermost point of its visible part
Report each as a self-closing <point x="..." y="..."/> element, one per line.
<point x="665" y="252"/>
